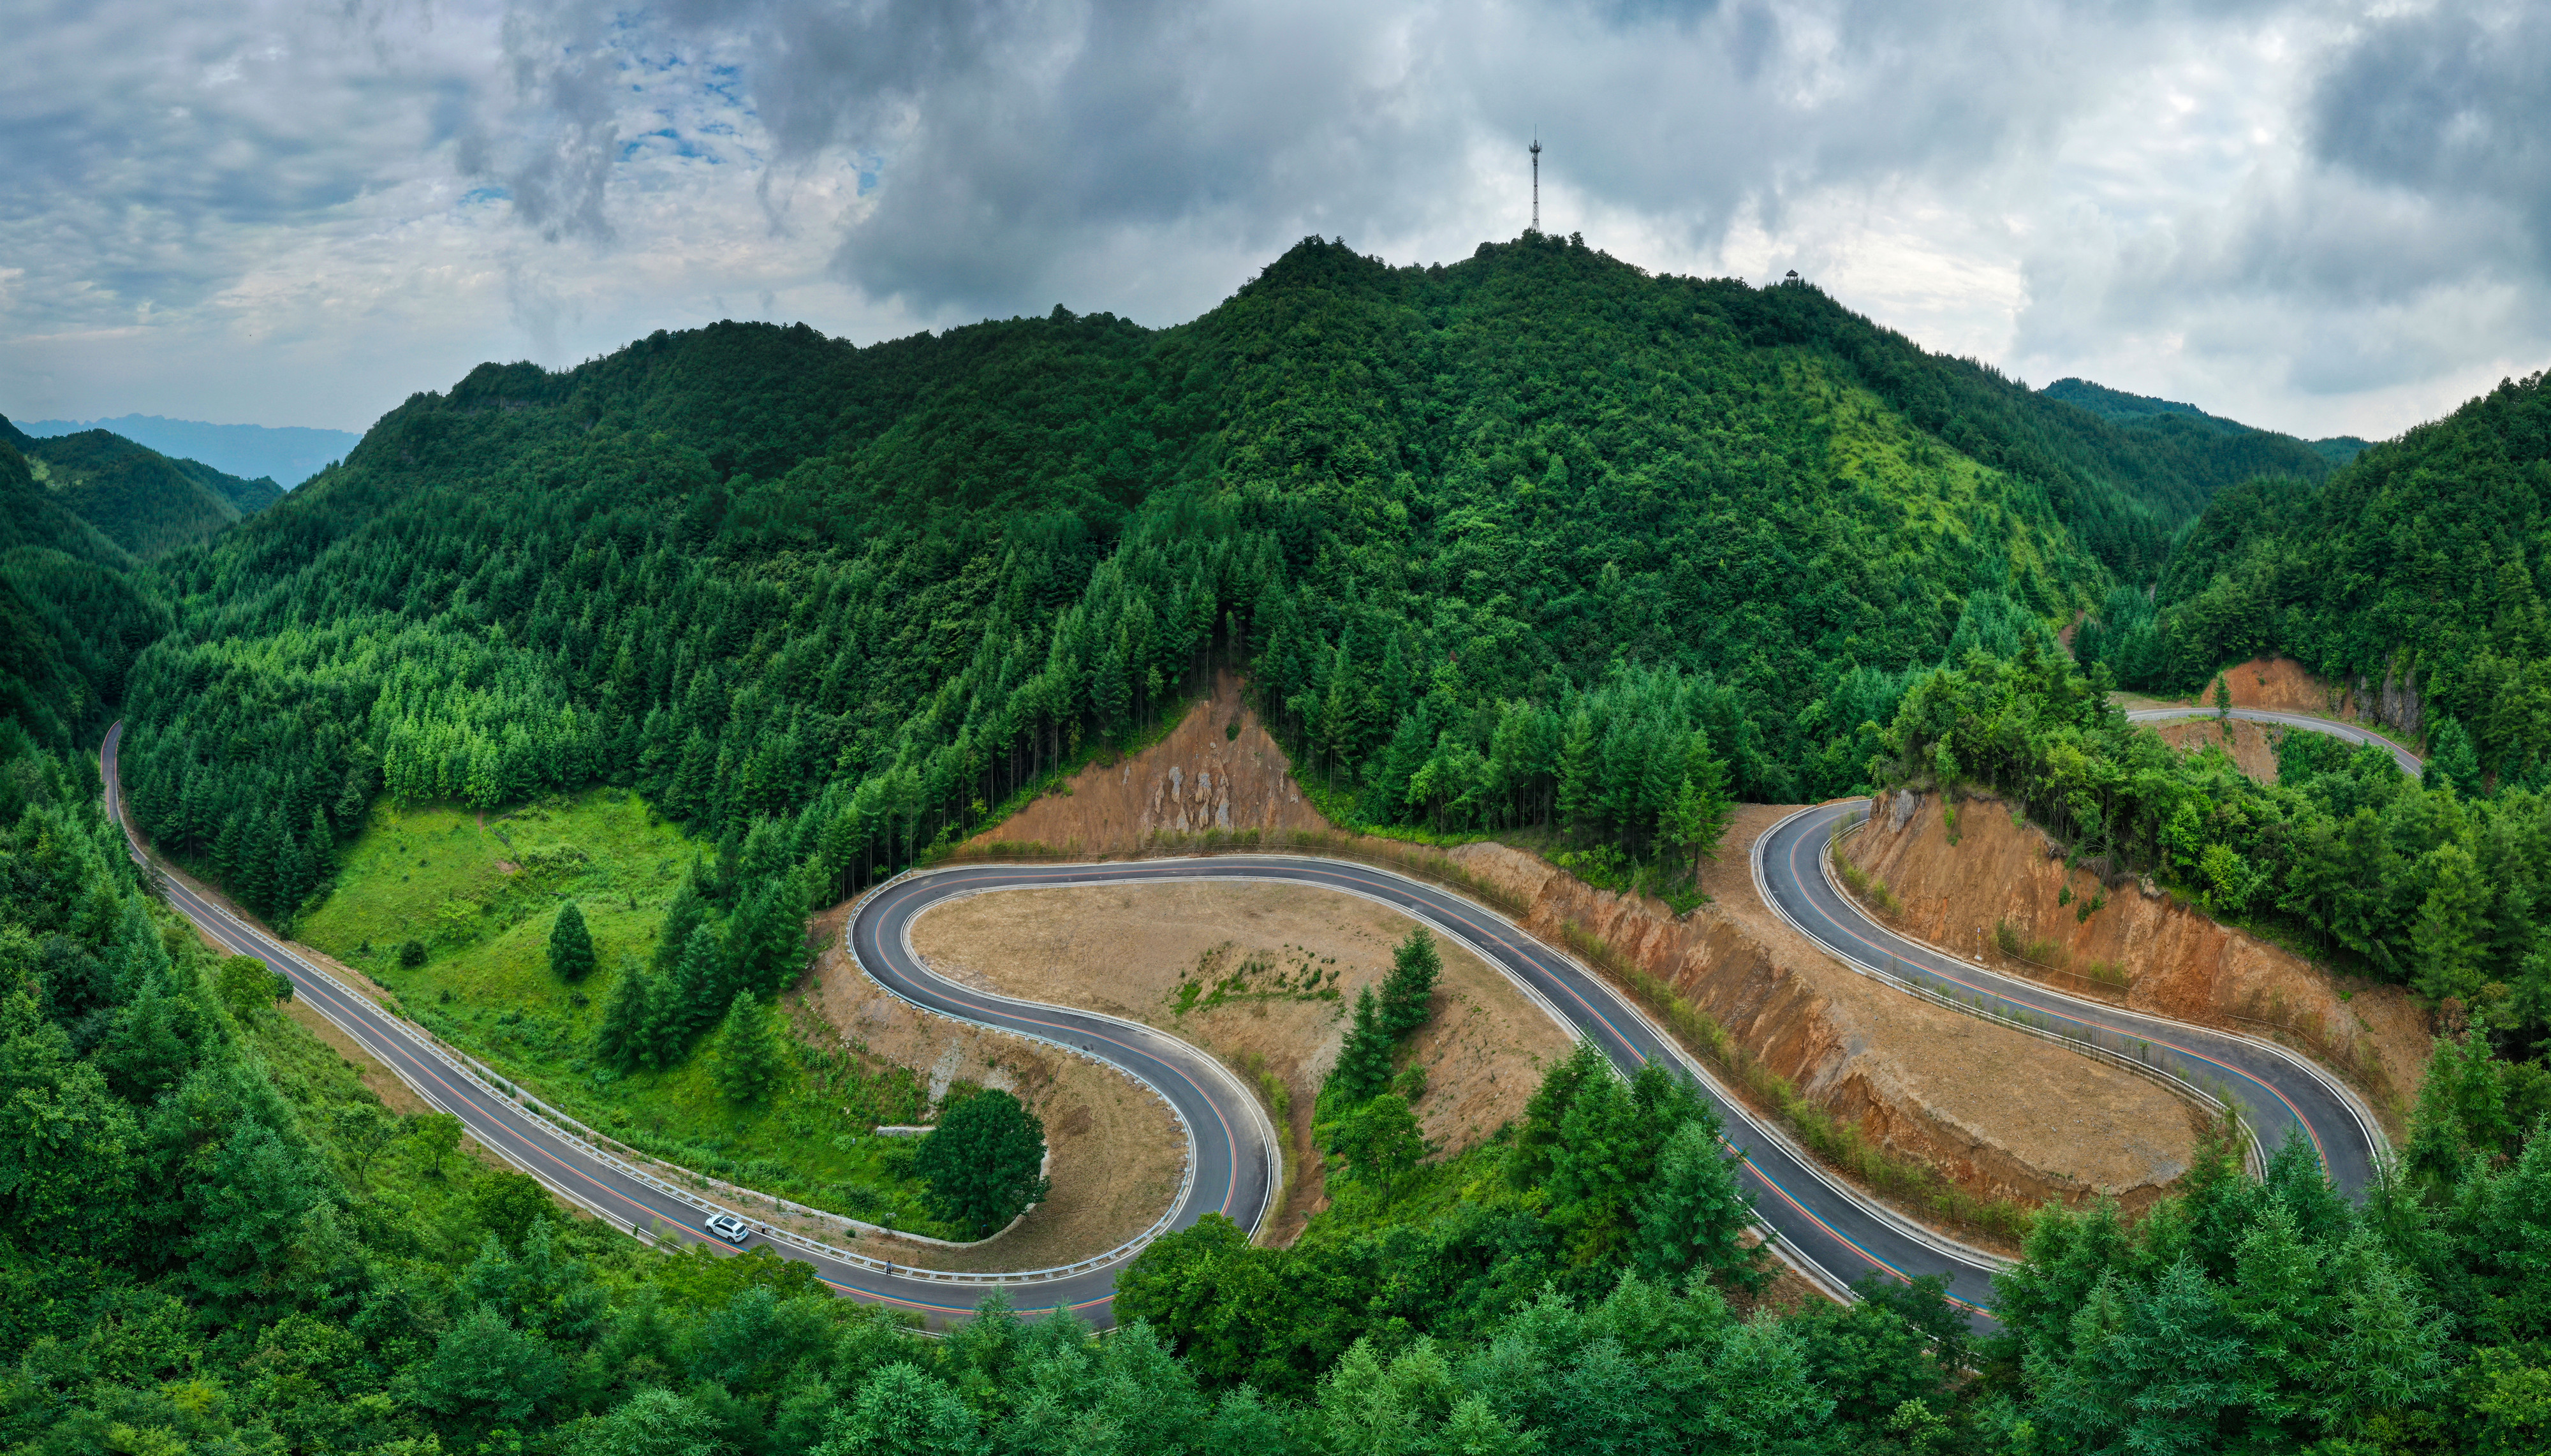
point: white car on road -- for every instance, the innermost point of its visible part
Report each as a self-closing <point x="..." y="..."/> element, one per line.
<point x="728" y="1227"/>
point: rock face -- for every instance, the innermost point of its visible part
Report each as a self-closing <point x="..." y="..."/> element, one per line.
<point x="2175" y="960"/>
<point x="2398" y="705"/>
<point x="2003" y="1114"/>
<point x="1201" y="776"/>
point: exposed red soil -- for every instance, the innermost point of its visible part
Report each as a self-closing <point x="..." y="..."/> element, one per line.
<point x="2282" y="685"/>
<point x="2175" y="960"/>
<point x="1201" y="776"/>
<point x="2005" y="1114"/>
<point x="2253" y="746"/>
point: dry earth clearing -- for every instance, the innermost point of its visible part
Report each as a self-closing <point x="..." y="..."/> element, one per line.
<point x="2253" y="746"/>
<point x="1128" y="950"/>
<point x="1117" y="1153"/>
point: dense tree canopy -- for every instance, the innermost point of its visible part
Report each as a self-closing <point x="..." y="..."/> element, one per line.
<point x="2428" y="561"/>
<point x="1534" y="539"/>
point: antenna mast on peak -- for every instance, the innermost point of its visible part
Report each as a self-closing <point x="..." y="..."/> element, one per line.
<point x="1536" y="184"/>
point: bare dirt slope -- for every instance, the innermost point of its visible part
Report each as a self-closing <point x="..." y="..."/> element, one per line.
<point x="2282" y="685"/>
<point x="2253" y="746"/>
<point x="1201" y="776"/>
<point x="1117" y="1154"/>
<point x="2006" y="1115"/>
<point x="1128" y="950"/>
<point x="2175" y="961"/>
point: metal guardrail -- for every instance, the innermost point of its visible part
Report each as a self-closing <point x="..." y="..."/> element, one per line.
<point x="546" y="1119"/>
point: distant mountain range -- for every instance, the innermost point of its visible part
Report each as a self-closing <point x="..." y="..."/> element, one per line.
<point x="289" y="455"/>
<point x="142" y="501"/>
<point x="2169" y="416"/>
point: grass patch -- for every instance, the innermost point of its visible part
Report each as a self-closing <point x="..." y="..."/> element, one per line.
<point x="1223" y="974"/>
<point x="1869" y="887"/>
<point x="482" y="892"/>
<point x="2036" y="951"/>
<point x="1838" y="1143"/>
<point x="1432" y="1188"/>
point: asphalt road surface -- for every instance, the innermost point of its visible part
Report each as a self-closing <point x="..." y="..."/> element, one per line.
<point x="2408" y="761"/>
<point x="1832" y="1233"/>
<point x="2278" y="1091"/>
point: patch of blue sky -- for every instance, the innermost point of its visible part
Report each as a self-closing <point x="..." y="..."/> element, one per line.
<point x="480" y="196"/>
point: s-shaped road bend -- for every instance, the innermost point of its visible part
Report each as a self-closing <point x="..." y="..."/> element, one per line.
<point x="1826" y="1229"/>
<point x="2277" y="1090"/>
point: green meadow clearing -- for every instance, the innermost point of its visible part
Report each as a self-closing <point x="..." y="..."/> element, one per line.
<point x="480" y="892"/>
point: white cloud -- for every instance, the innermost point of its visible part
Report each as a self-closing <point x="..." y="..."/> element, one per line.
<point x="299" y="211"/>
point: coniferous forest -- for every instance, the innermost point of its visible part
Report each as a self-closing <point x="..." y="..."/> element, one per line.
<point x="1535" y="544"/>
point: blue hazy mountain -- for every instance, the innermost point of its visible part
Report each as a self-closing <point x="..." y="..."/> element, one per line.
<point x="288" y="454"/>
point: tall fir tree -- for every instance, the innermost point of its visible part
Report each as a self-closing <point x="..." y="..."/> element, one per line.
<point x="625" y="1039"/>
<point x="681" y="917"/>
<point x="571" y="945"/>
<point x="749" y="1058"/>
<point x="1414" y="967"/>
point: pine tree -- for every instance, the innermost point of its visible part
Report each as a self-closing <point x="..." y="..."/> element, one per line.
<point x="1414" y="966"/>
<point x="1362" y="1068"/>
<point x="699" y="987"/>
<point x="681" y="917"/>
<point x="749" y="1060"/>
<point x="624" y="1039"/>
<point x="1694" y="1214"/>
<point x="571" y="945"/>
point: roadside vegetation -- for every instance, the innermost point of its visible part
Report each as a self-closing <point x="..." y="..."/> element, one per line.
<point x="744" y="1097"/>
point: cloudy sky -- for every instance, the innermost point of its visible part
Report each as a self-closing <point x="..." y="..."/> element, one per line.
<point x="2314" y="215"/>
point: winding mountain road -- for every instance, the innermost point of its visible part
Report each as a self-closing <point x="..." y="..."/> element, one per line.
<point x="2410" y="763"/>
<point x="2277" y="1090"/>
<point x="1828" y="1231"/>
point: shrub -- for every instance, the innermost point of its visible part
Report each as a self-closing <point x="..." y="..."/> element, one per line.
<point x="985" y="1163"/>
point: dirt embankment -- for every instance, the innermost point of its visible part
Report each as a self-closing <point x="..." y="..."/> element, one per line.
<point x="1116" y="1152"/>
<point x="2253" y="746"/>
<point x="2005" y="1114"/>
<point x="2174" y="960"/>
<point x="1203" y="775"/>
<point x="1131" y="950"/>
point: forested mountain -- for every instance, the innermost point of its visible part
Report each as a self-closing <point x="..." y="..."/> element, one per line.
<point x="2429" y="558"/>
<point x="2209" y="447"/>
<point x="142" y="501"/>
<point x="1533" y="538"/>
<point x="287" y="454"/>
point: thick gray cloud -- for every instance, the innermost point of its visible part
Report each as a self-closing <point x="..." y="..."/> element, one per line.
<point x="2310" y="213"/>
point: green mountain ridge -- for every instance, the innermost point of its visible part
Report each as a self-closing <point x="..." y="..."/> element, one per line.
<point x="2428" y="560"/>
<point x="287" y="454"/>
<point x="2224" y="450"/>
<point x="144" y="501"/>
<point x="1452" y="518"/>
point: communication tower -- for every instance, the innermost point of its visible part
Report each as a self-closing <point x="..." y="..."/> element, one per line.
<point x="1536" y="184"/>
